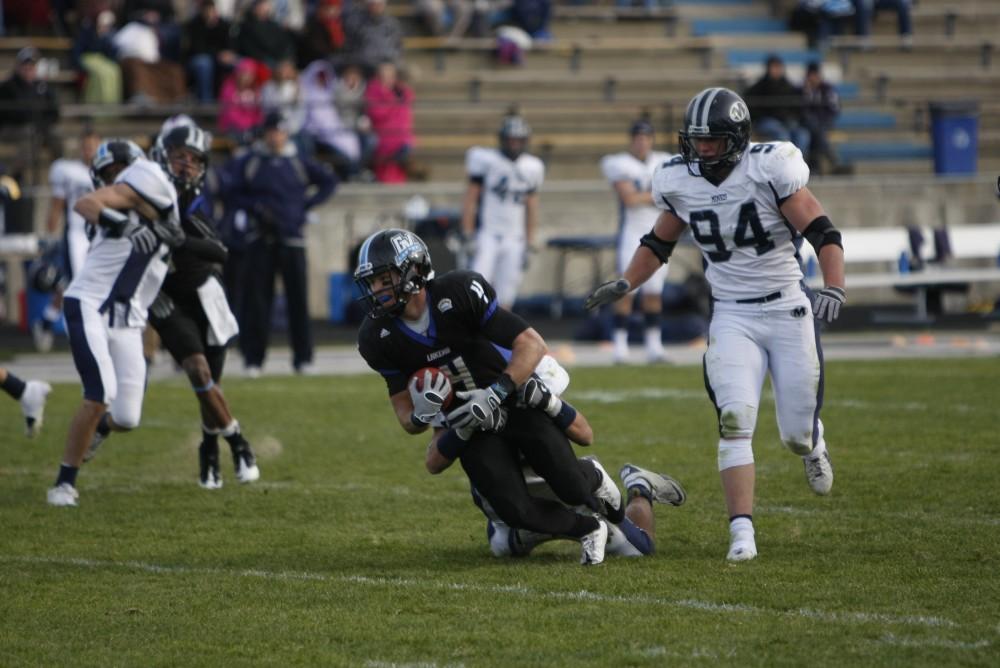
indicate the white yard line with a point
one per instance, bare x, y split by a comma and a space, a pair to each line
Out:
829, 616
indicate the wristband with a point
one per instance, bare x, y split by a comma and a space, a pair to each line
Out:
417, 422
564, 418
504, 386
451, 445
554, 406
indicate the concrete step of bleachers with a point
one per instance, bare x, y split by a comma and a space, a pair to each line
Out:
720, 10
944, 19
854, 53
930, 83
741, 25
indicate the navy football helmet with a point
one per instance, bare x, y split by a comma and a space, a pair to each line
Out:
189, 137
112, 152
715, 113
514, 135
401, 254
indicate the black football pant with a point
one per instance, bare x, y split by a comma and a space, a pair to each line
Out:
264, 260
494, 464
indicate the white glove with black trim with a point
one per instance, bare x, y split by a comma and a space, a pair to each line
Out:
607, 293
428, 400
143, 238
481, 410
826, 305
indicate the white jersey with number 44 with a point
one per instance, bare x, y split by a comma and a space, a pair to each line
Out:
505, 183
746, 242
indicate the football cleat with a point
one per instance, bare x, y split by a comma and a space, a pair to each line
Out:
662, 487
33, 405
819, 472
608, 493
592, 545
63, 494
209, 476
245, 464
95, 444
742, 546
252, 371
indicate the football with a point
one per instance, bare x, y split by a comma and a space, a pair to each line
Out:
436, 373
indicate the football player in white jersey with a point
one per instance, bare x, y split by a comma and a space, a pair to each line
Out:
69, 181
503, 189
135, 217
631, 176
748, 208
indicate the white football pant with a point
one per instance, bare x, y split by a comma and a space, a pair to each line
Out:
500, 259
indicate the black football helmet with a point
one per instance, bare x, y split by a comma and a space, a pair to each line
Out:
405, 257
715, 113
48, 271
192, 138
514, 135
112, 152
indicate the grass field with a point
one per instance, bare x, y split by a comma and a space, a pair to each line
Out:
348, 553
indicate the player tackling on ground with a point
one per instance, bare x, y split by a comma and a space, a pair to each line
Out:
747, 207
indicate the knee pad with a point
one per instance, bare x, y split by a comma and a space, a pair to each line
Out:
734, 452
737, 420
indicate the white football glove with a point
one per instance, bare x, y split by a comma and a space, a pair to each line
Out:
606, 293
143, 238
481, 410
826, 305
427, 401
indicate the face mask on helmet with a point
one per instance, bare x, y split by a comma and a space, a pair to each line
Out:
715, 114
112, 157
514, 136
392, 266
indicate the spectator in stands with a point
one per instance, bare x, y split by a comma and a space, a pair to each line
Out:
291, 14
261, 37
820, 19
208, 50
277, 187
864, 12
147, 76
349, 99
239, 101
372, 36
820, 111
323, 34
776, 106
454, 17
282, 94
390, 108
324, 131
95, 58
25, 98
532, 16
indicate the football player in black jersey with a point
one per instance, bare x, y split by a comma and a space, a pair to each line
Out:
191, 313
454, 323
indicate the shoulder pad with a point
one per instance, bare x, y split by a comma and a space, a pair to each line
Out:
612, 166
779, 164
147, 179
478, 160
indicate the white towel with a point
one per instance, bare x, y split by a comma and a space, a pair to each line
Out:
222, 325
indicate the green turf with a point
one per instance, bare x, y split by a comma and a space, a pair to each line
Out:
348, 553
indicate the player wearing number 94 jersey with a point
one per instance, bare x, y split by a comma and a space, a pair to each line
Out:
736, 197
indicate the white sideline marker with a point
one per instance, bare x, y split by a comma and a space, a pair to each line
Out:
517, 590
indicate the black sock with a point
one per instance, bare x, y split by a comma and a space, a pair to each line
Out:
209, 439
651, 320
13, 385
619, 321
236, 441
735, 517
67, 474
104, 427
640, 490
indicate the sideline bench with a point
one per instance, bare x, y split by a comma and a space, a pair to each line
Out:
887, 247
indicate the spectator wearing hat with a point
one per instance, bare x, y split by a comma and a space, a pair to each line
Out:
372, 35
24, 97
277, 187
208, 49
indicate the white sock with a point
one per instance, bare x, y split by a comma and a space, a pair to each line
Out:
654, 342
620, 339
50, 314
742, 546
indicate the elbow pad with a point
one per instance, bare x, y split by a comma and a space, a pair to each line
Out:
821, 232
661, 249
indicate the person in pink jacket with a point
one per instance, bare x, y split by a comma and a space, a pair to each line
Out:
239, 101
390, 107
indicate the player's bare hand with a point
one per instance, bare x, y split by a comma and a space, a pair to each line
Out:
826, 305
607, 293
